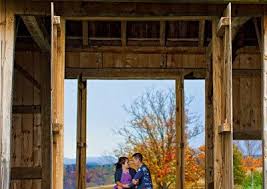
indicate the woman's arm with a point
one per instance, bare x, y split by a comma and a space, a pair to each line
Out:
119, 184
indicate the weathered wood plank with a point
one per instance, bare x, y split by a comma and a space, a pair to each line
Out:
7, 36
228, 181
222, 88
26, 109
81, 134
58, 66
29, 173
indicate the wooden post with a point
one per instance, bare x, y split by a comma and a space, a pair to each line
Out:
58, 75
217, 90
209, 170
81, 135
7, 36
222, 101
46, 124
264, 97
179, 89
228, 181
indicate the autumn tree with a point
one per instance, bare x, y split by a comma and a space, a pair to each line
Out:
151, 131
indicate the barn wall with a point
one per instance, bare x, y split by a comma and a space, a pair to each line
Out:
247, 97
26, 127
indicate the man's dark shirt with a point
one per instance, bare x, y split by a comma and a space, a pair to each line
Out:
144, 177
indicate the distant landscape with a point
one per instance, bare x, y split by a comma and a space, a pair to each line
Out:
99, 171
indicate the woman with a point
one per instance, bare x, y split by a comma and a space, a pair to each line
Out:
123, 174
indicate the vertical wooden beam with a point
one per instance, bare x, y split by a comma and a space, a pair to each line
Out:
217, 91
46, 128
7, 36
85, 33
264, 97
201, 33
222, 104
228, 181
81, 135
124, 33
179, 89
209, 169
58, 75
162, 33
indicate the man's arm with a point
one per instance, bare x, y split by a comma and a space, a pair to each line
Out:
138, 175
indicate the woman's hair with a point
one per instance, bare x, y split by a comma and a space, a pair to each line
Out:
120, 162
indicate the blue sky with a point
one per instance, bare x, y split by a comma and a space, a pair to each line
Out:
105, 112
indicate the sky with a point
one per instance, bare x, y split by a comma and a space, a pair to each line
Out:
105, 112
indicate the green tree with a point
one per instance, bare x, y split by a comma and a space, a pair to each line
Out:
254, 181
239, 172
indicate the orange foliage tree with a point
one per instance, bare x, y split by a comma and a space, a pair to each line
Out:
151, 131
251, 163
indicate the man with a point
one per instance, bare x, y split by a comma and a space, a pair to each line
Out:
142, 177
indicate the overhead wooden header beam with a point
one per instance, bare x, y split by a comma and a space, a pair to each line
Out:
169, 1
133, 9
153, 50
140, 18
74, 73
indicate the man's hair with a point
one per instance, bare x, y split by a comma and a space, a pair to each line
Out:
138, 156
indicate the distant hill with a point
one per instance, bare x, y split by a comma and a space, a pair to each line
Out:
93, 161
99, 172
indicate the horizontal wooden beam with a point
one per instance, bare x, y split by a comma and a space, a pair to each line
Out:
23, 173
247, 135
141, 9
152, 50
26, 109
28, 76
141, 18
148, 73
167, 1
129, 73
224, 22
246, 72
